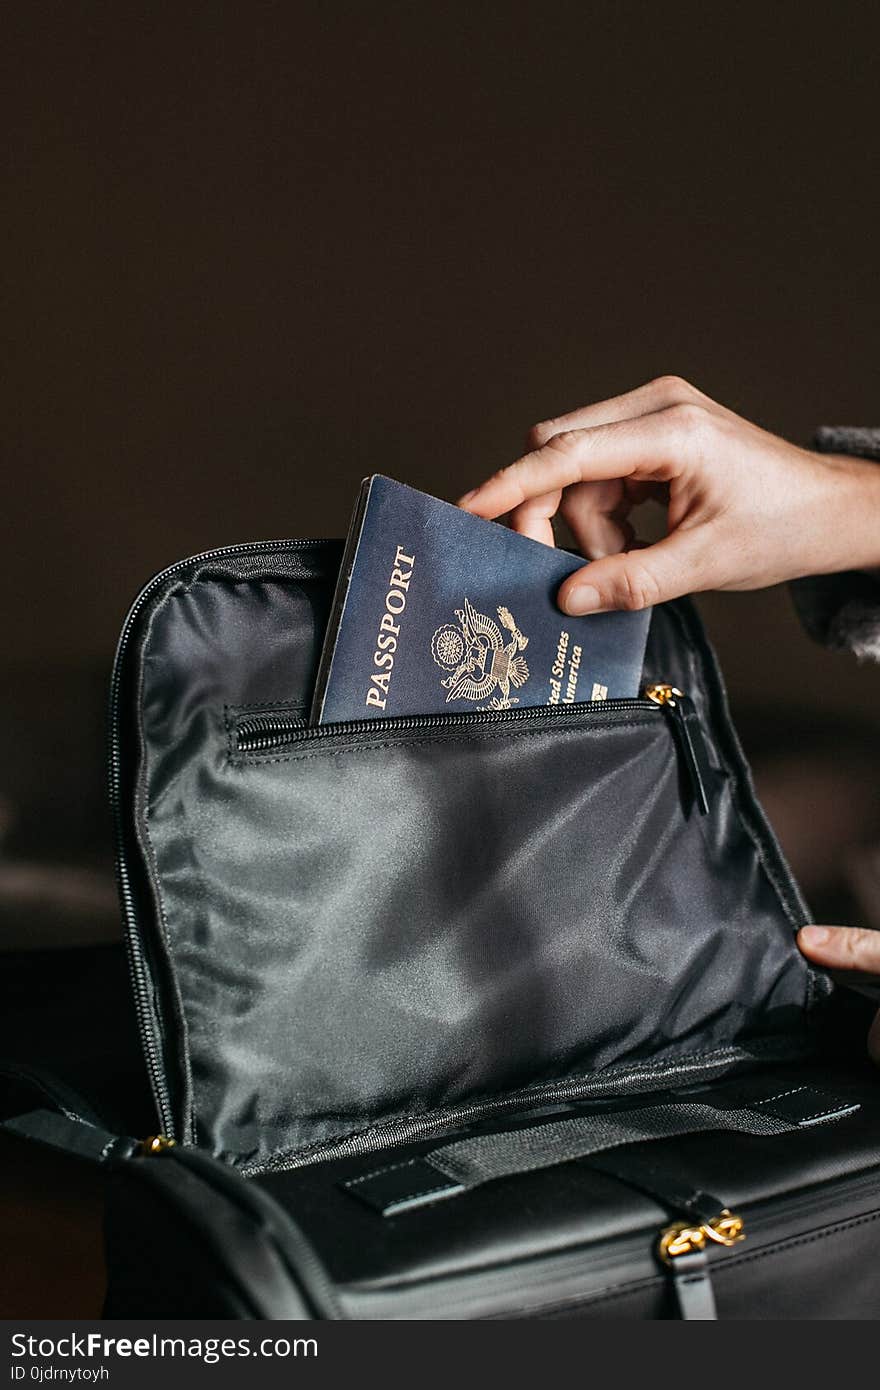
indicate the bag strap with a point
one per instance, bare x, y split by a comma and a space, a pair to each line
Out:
38, 1107
70, 1136
211, 1195
469, 1163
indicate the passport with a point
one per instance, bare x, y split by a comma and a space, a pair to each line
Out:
437, 610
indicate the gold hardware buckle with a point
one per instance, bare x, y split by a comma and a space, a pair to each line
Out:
683, 1238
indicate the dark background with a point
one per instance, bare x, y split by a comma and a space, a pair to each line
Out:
256, 253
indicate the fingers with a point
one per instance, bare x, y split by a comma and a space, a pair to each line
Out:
842, 948
597, 515
533, 518
595, 512
846, 948
653, 448
638, 578
655, 395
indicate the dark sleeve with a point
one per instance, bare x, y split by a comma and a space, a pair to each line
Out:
842, 611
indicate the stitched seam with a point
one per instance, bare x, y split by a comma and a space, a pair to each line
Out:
823, 1114
397, 1202
451, 1182
780, 1095
781, 889
285, 705
749, 812
728, 1264
37, 1084
732, 1260
834, 1109
537, 1089
607, 1296
380, 1172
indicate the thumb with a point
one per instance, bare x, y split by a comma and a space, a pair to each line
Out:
846, 948
636, 578
842, 948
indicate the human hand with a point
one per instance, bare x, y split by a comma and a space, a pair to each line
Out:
846, 948
745, 509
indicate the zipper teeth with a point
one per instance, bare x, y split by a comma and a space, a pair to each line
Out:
264, 732
137, 965
260, 734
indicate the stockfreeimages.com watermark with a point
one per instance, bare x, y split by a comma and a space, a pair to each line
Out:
29, 1351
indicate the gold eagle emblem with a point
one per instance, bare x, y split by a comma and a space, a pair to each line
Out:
478, 658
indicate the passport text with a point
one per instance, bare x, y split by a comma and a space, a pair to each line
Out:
389, 629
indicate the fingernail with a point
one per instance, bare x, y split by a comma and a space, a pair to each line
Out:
814, 936
582, 599
467, 496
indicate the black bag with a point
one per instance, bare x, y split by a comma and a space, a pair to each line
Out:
499, 1014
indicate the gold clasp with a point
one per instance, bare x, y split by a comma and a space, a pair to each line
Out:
680, 1239
683, 1238
663, 693
726, 1229
157, 1144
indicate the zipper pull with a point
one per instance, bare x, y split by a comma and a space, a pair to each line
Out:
686, 723
156, 1144
682, 1248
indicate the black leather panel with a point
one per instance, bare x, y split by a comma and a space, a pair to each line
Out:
572, 1207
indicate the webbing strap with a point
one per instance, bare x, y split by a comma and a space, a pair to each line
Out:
469, 1163
69, 1135
37, 1106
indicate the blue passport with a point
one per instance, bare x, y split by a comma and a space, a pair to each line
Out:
439, 611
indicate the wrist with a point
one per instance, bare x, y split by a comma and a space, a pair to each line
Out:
841, 530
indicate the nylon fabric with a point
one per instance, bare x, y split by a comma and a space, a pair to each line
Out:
362, 933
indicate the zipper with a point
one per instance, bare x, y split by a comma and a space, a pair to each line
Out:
689, 734
267, 733
264, 733
138, 967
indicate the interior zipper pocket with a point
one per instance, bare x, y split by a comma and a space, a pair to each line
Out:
258, 733
266, 733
